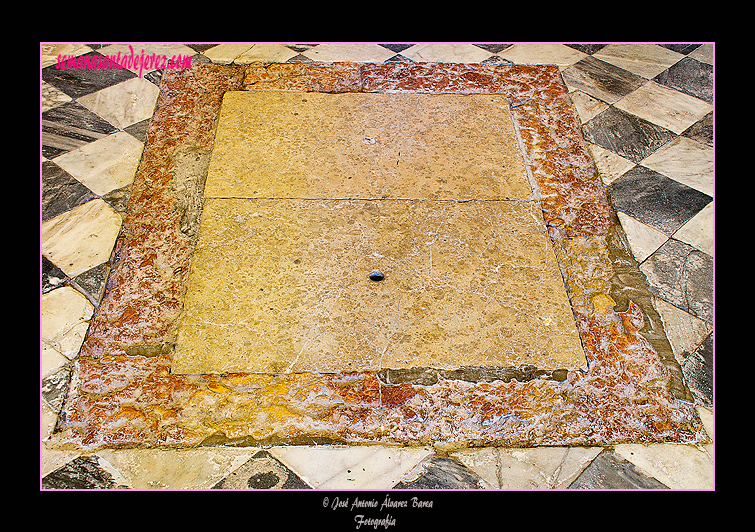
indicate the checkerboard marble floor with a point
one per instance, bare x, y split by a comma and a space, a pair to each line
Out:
647, 114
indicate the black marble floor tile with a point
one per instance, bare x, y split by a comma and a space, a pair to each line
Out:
262, 471
443, 473
656, 200
393, 47
52, 276
610, 471
682, 48
69, 126
626, 134
683, 276
93, 281
78, 82
702, 130
698, 372
601, 80
587, 48
689, 76
61, 192
83, 472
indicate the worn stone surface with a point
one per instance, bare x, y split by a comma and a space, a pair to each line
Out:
117, 400
283, 285
360, 145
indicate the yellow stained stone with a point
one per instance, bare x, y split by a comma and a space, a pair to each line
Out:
283, 285
365, 145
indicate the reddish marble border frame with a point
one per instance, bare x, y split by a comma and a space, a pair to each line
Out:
122, 393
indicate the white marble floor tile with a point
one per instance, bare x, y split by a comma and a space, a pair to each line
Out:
533, 468
675, 465
51, 359
270, 52
446, 53
357, 467
704, 54
587, 107
664, 106
174, 469
684, 331
610, 165
542, 54
685, 160
357, 52
50, 52
698, 232
65, 319
646, 60
643, 239
52, 96
123, 104
81, 238
106, 164
225, 54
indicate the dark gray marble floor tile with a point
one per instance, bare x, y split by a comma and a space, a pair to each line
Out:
689, 76
610, 471
492, 48
698, 372
262, 471
702, 130
398, 58
69, 126
444, 473
61, 192
83, 472
300, 58
78, 82
201, 48
601, 80
683, 276
393, 47
587, 48
656, 200
138, 130
626, 134
682, 48
55, 387
93, 280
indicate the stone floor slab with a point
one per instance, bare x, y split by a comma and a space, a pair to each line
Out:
284, 285
365, 145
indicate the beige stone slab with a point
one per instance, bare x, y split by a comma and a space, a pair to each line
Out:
283, 285
364, 145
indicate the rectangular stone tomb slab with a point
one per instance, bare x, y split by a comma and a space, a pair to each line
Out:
366, 145
284, 286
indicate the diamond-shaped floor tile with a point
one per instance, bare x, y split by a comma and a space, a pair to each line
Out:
364, 467
262, 471
542, 54
83, 472
123, 104
686, 161
646, 60
611, 471
69, 126
65, 316
604, 81
664, 106
437, 472
357, 52
76, 82
446, 53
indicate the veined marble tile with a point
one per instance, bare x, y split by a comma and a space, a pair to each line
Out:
61, 191
124, 104
106, 164
601, 80
358, 52
225, 54
684, 331
65, 319
677, 466
269, 52
533, 468
686, 161
52, 359
357, 467
610, 165
446, 53
646, 60
50, 52
542, 54
166, 49
70, 125
587, 106
689, 76
664, 106
77, 82
81, 238
643, 239
175, 469
52, 96
698, 232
